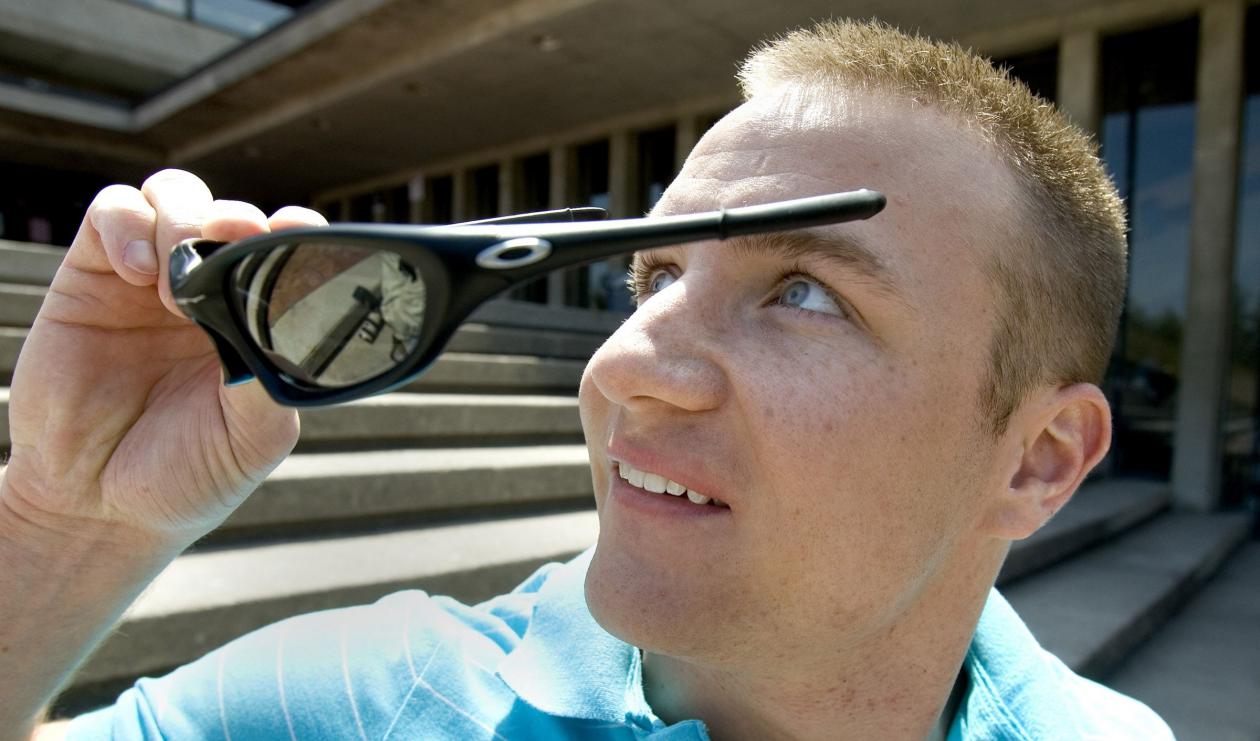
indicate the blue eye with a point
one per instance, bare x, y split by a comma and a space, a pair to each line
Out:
807, 295
660, 282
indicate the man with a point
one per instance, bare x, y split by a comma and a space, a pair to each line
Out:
861, 417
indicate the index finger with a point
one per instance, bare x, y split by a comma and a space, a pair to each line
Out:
181, 200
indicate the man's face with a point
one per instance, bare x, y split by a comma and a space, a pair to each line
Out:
827, 396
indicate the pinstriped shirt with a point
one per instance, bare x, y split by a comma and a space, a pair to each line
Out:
533, 664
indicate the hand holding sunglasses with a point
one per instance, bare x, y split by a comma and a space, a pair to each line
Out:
327, 315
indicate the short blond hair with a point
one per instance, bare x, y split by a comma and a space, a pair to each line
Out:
1061, 289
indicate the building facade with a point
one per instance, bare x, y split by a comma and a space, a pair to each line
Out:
411, 110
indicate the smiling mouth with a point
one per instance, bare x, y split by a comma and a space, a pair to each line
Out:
657, 484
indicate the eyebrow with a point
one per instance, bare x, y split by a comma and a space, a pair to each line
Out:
848, 253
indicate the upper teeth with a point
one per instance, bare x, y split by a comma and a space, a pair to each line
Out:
657, 483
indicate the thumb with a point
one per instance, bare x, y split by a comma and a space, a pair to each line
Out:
261, 432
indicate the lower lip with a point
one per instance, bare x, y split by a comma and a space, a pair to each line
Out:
659, 505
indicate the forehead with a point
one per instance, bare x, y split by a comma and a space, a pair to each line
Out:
950, 200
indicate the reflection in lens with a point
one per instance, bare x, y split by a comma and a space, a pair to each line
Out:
330, 315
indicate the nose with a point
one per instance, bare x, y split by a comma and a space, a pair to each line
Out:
665, 356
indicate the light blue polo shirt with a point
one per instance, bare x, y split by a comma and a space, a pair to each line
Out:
532, 664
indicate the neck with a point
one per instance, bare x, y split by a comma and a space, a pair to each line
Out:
892, 686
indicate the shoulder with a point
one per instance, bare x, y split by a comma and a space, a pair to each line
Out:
1103, 713
1018, 690
334, 673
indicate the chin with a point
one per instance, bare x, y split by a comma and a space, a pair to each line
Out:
652, 609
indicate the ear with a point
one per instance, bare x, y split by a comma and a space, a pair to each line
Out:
1059, 436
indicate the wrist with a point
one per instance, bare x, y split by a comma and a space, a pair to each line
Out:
64, 581
59, 538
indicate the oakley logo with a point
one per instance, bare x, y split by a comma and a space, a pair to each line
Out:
514, 253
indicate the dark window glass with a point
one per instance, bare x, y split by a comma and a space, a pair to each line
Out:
483, 192
1038, 70
592, 174
533, 194
1148, 144
1242, 417
332, 210
362, 207
439, 200
397, 205
381, 206
590, 189
534, 182
656, 165
38, 204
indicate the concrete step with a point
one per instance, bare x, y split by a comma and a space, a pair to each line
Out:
468, 372
31, 264
19, 304
453, 371
309, 492
1201, 672
473, 337
204, 599
319, 491
529, 315
11, 339
1093, 610
1102, 508
409, 419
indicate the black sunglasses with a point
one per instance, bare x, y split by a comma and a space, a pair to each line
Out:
325, 315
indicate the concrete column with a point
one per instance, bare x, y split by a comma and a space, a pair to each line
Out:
459, 195
686, 134
1080, 78
560, 184
507, 186
621, 172
1196, 474
623, 190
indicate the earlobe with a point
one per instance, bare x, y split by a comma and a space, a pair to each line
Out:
1065, 433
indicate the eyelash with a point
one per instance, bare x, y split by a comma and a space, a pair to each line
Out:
641, 271
645, 267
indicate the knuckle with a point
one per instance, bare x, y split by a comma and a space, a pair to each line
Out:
173, 179
111, 196
183, 226
236, 208
120, 207
299, 214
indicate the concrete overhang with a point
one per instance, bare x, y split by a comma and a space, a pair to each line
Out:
355, 89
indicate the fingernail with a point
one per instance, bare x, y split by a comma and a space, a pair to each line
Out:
140, 257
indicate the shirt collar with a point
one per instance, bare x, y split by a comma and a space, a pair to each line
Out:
1015, 686
1008, 672
602, 684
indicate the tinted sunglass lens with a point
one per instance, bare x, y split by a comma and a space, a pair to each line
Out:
330, 315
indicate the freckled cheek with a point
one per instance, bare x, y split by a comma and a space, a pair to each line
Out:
812, 399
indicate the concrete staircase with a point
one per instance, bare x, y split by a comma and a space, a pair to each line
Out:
476, 473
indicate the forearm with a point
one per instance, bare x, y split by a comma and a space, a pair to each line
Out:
62, 586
